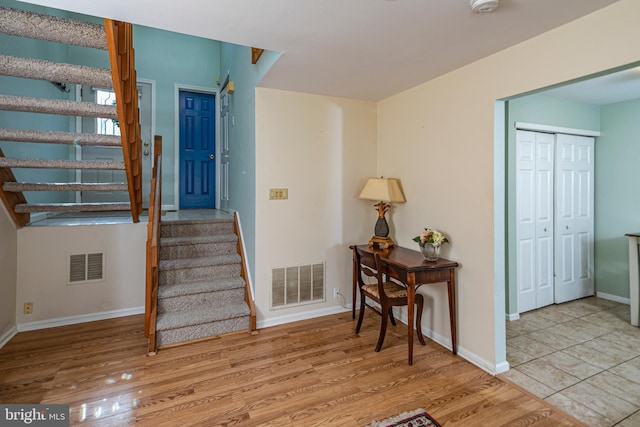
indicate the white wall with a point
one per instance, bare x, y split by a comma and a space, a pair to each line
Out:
8, 274
322, 149
439, 139
42, 273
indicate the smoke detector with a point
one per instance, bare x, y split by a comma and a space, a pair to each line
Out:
480, 6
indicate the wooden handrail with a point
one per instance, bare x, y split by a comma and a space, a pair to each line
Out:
153, 247
248, 295
11, 199
123, 72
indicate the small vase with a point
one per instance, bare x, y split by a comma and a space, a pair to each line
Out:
430, 251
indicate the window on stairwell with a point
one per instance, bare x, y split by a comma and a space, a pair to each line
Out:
106, 126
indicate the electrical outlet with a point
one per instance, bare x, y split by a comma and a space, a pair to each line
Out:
278, 193
28, 308
336, 292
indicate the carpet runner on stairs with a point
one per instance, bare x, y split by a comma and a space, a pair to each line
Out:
201, 292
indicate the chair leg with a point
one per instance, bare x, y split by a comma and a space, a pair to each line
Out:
383, 330
420, 304
393, 319
361, 314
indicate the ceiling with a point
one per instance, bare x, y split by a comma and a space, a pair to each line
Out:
364, 49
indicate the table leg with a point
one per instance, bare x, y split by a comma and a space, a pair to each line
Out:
451, 290
354, 286
411, 296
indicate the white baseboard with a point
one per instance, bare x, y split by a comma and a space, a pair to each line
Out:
469, 356
7, 335
513, 316
83, 318
503, 367
289, 318
614, 298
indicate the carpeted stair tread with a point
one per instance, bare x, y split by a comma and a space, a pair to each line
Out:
180, 289
72, 207
57, 106
172, 320
69, 186
8, 162
198, 221
44, 27
38, 69
196, 240
57, 137
186, 263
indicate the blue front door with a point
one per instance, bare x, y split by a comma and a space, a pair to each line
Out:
197, 150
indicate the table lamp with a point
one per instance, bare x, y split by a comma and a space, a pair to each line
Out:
385, 191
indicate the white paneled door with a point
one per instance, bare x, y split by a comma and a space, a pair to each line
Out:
574, 217
534, 213
554, 218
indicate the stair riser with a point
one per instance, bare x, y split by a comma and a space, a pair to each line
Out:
195, 332
168, 277
198, 301
204, 229
198, 250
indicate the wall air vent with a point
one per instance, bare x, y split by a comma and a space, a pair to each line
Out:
85, 268
297, 285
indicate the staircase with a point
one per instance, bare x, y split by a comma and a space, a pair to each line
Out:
201, 290
115, 39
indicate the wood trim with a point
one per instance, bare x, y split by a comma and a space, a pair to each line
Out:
153, 247
256, 53
121, 58
248, 296
11, 199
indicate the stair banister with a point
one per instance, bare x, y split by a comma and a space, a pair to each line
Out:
153, 246
121, 57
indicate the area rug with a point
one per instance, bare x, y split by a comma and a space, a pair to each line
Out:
416, 418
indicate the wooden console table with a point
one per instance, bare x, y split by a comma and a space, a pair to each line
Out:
415, 271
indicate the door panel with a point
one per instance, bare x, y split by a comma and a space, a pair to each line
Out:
574, 218
197, 149
534, 213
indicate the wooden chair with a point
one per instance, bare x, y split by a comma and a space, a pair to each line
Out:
386, 293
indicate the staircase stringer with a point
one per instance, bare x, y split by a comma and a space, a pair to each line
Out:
121, 57
248, 293
11, 199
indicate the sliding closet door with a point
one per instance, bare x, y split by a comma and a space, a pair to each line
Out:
534, 216
574, 217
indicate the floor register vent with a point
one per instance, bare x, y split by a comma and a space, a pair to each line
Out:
85, 268
297, 285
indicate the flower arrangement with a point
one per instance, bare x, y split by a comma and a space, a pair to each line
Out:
432, 236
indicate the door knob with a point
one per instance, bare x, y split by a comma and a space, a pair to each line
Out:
146, 152
211, 156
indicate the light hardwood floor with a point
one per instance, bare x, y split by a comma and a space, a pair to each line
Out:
309, 373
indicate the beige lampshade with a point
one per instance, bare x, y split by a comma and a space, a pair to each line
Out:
383, 189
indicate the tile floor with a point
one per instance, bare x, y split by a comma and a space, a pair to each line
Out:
583, 357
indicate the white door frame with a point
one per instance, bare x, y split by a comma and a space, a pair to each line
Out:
176, 138
146, 183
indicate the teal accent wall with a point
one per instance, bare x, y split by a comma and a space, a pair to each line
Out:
236, 60
546, 110
617, 209
169, 59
